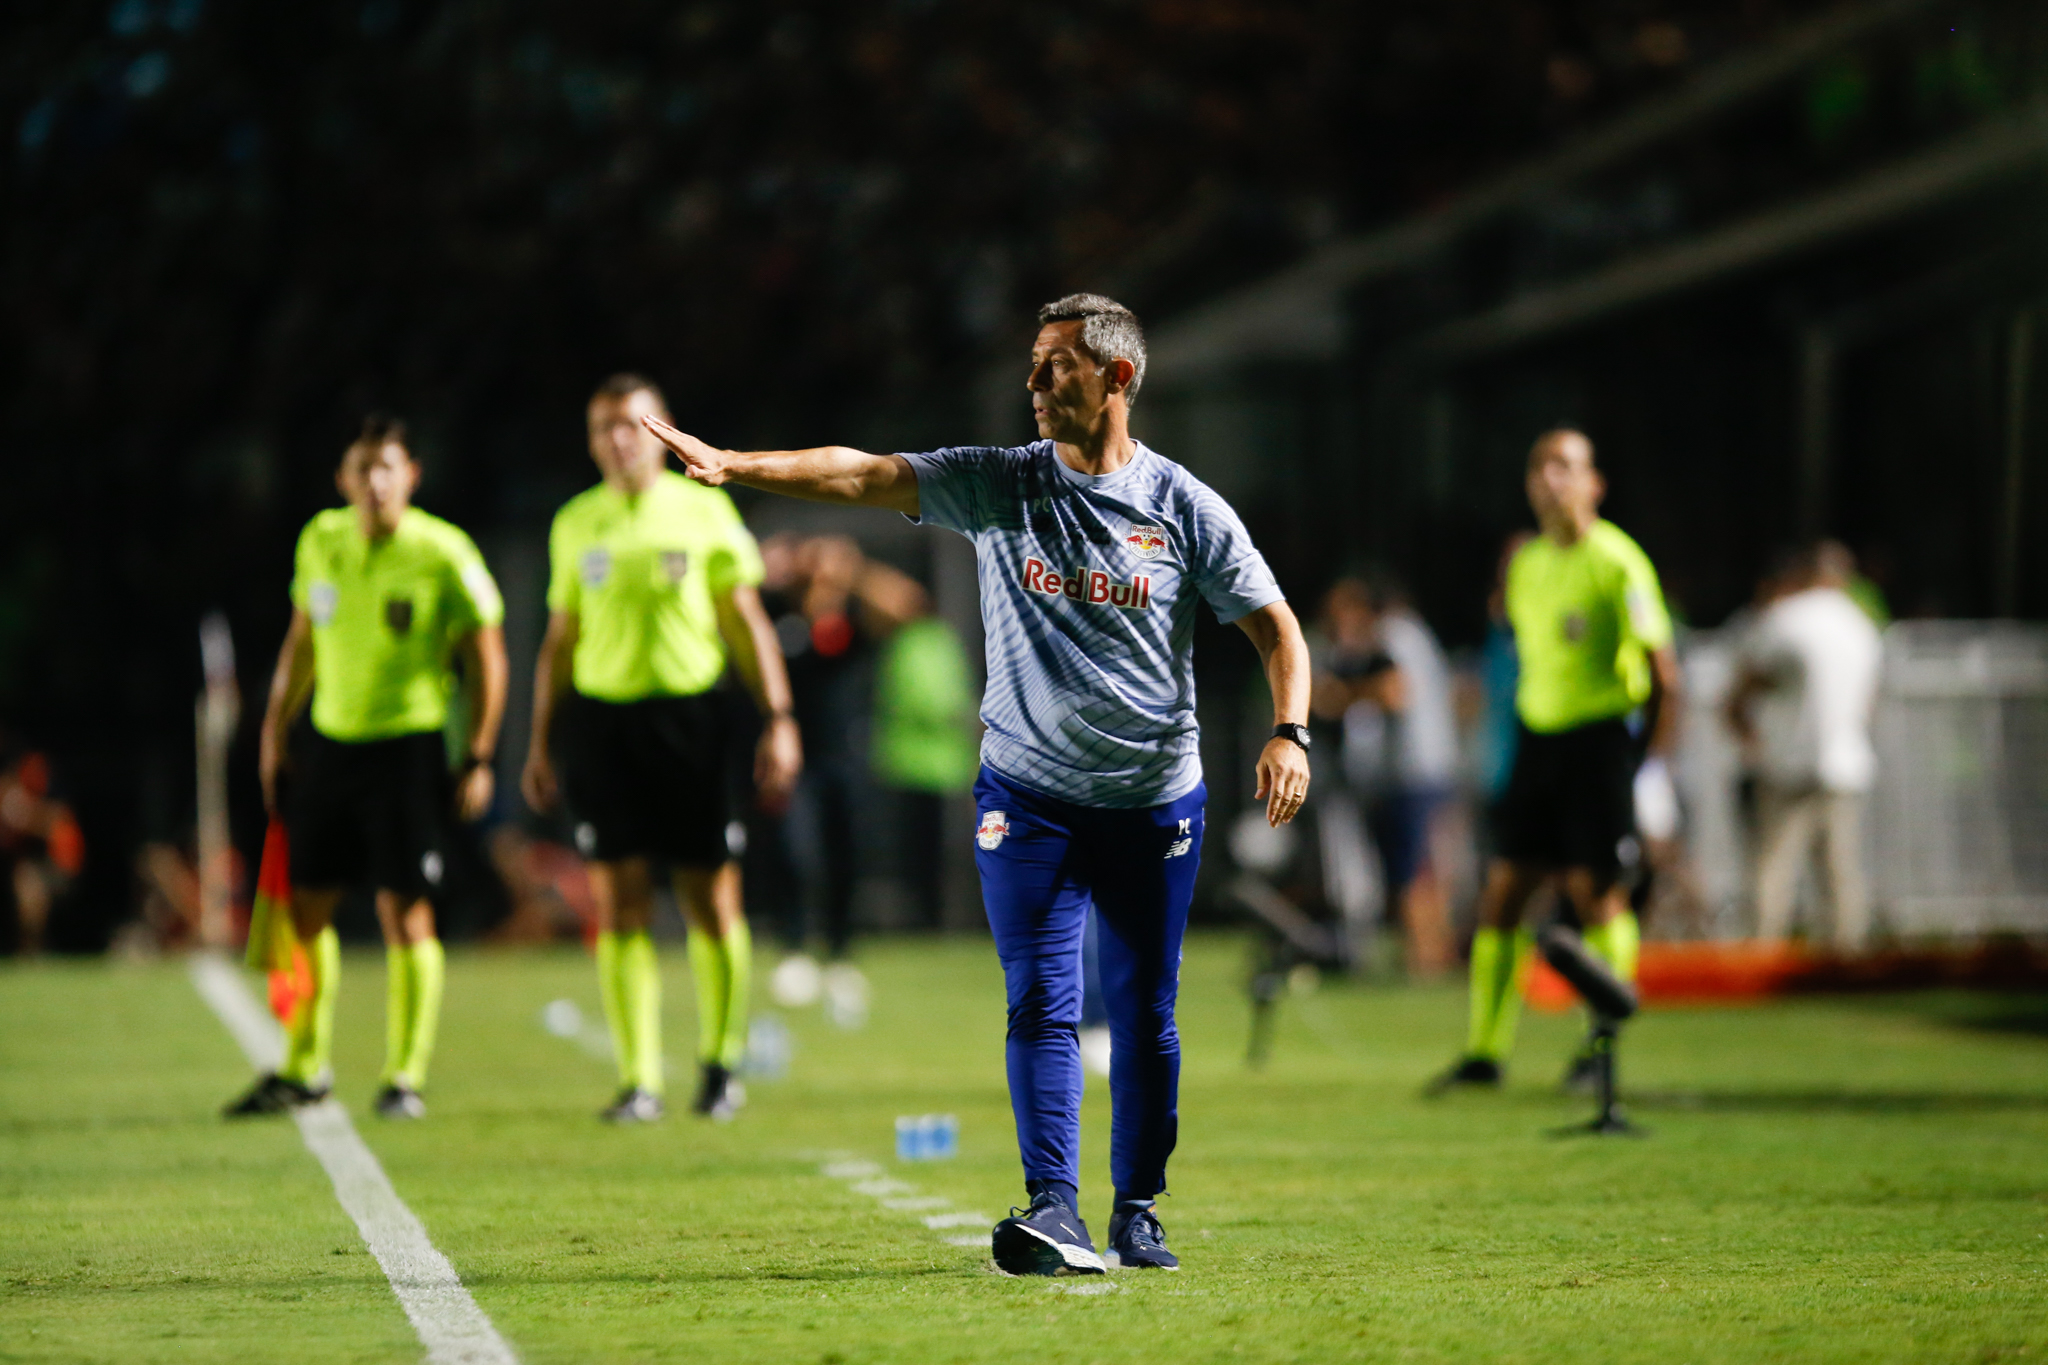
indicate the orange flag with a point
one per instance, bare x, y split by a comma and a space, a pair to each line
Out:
274, 946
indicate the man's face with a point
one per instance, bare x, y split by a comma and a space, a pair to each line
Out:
1562, 480
626, 452
378, 481
1069, 387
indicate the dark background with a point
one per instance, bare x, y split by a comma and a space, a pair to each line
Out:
232, 226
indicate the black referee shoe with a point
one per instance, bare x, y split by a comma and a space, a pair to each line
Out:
718, 1096
635, 1105
273, 1094
400, 1101
1470, 1073
1046, 1239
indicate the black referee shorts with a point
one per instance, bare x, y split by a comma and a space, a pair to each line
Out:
369, 813
1570, 798
646, 779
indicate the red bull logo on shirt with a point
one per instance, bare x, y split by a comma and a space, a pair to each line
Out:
1088, 585
1146, 542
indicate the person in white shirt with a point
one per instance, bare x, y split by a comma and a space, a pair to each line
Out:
1802, 703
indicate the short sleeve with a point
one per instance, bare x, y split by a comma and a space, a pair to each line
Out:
565, 589
477, 602
302, 571
1228, 569
952, 487
1643, 609
735, 556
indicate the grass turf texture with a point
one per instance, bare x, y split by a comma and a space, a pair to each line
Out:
1827, 1181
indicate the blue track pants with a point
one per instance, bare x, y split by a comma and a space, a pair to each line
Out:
1042, 862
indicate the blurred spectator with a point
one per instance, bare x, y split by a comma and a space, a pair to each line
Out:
924, 748
1495, 727
41, 845
1802, 704
1388, 680
169, 916
832, 606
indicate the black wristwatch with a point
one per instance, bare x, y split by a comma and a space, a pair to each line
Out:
1297, 733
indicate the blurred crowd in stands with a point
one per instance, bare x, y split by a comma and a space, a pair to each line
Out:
232, 227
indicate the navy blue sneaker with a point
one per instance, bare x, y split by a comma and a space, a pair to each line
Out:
1046, 1239
1138, 1241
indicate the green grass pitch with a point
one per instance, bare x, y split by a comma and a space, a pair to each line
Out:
1827, 1181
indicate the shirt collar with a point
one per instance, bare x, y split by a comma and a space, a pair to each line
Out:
1075, 478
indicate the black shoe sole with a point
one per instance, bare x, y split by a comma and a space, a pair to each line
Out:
1022, 1250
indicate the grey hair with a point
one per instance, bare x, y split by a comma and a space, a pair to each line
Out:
1109, 330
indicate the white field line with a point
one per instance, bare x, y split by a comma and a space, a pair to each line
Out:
956, 1220
594, 1038
450, 1325
900, 1196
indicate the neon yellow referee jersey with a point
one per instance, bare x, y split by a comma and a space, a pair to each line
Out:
641, 575
1586, 618
387, 615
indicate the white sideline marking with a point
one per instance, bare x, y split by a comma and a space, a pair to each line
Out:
900, 1196
450, 1325
957, 1220
850, 1170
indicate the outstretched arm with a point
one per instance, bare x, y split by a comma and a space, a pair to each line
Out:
1283, 764
826, 474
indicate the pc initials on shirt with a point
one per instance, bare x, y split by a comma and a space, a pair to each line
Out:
1088, 585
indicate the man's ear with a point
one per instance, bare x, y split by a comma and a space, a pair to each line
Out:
1599, 488
341, 482
1121, 373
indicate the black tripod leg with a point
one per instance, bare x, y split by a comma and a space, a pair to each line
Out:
1612, 1120
1262, 1029
1268, 980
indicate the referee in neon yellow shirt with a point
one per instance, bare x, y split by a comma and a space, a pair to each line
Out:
1594, 641
653, 584
385, 599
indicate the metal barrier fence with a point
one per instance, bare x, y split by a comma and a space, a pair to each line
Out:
1959, 818
1957, 825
